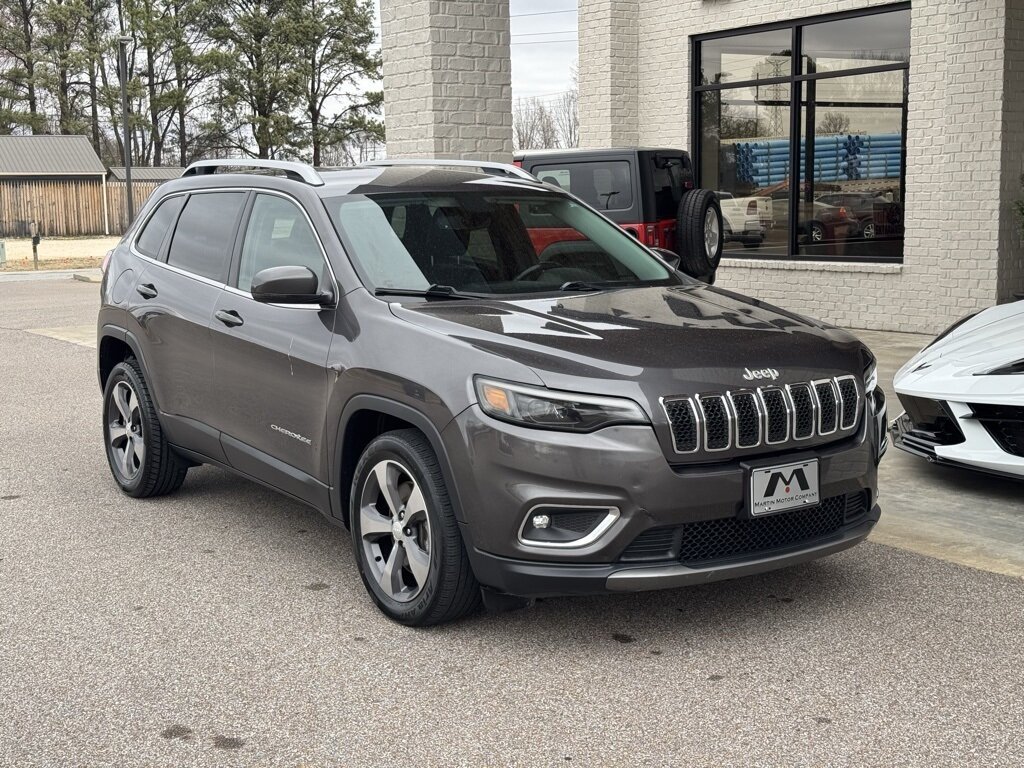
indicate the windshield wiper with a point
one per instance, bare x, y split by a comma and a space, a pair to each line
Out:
432, 292
580, 285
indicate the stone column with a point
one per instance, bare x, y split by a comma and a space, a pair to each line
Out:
447, 78
609, 72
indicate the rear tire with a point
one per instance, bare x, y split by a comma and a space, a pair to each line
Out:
406, 539
700, 232
140, 459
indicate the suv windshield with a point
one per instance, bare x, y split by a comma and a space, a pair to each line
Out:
489, 242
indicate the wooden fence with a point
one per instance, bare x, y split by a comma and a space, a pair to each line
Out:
69, 207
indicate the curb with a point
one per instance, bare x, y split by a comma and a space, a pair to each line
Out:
87, 278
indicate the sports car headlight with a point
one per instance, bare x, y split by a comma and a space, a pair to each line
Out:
871, 378
1009, 369
548, 409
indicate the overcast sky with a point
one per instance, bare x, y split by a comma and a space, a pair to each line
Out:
543, 46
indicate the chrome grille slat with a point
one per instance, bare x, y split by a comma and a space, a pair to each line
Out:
718, 422
745, 408
746, 419
826, 400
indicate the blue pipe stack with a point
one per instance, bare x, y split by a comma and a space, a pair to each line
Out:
765, 162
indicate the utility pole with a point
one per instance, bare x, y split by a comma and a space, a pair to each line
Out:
123, 42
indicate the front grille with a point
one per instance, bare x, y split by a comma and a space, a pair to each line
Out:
729, 537
749, 418
1004, 423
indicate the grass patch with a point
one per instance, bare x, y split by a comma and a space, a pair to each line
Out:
49, 264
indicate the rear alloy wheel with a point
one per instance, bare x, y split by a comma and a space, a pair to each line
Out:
141, 461
407, 542
869, 231
817, 232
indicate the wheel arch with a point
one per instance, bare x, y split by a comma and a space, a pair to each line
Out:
115, 345
366, 417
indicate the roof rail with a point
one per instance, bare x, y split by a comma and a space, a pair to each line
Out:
293, 170
488, 167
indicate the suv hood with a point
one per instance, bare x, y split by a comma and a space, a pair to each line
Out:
675, 340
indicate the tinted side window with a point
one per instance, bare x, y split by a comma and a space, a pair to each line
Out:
159, 223
202, 239
603, 185
277, 235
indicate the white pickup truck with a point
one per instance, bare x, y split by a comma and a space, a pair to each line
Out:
746, 219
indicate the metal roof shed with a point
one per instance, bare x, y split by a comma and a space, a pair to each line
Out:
49, 156
56, 181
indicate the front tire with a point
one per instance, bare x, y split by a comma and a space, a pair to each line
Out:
140, 459
406, 539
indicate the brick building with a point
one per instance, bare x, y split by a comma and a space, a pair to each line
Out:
888, 136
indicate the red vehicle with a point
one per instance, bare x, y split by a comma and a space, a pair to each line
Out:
650, 193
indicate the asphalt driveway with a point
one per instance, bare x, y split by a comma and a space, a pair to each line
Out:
226, 625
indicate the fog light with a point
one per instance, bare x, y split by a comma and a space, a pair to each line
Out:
556, 525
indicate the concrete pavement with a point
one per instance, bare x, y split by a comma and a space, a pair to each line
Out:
226, 625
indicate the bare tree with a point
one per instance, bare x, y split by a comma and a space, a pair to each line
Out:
566, 113
533, 125
833, 123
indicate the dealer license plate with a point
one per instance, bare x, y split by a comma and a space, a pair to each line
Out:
787, 486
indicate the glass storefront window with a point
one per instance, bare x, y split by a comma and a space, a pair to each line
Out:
861, 41
745, 158
746, 57
809, 162
851, 167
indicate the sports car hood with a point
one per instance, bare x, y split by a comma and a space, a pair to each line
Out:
676, 339
957, 363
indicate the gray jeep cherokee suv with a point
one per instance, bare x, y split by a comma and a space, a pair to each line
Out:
497, 391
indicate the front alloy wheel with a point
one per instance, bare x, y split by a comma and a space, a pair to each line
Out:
395, 531
405, 536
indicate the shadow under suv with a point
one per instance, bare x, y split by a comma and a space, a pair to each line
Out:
496, 389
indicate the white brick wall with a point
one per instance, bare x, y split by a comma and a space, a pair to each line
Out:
965, 144
447, 78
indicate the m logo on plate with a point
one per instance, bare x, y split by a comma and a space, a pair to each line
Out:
780, 478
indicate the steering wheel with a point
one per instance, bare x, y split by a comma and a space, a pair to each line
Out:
537, 269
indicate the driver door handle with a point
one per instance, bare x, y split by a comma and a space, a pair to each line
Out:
146, 290
229, 317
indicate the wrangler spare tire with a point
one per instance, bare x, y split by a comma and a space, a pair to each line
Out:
699, 233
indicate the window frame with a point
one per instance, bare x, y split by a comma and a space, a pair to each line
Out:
232, 242
231, 284
795, 80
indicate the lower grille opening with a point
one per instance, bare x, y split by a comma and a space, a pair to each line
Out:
933, 423
1005, 424
707, 541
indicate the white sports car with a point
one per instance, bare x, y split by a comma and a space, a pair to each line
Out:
964, 394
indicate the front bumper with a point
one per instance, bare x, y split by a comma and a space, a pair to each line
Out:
974, 448
529, 579
502, 472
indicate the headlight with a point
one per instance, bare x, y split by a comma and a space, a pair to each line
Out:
871, 378
548, 409
1009, 369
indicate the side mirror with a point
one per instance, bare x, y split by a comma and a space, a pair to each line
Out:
671, 257
288, 285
